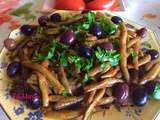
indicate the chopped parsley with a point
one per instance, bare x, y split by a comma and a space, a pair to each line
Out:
133, 54
84, 64
76, 60
103, 55
84, 26
156, 92
87, 78
53, 51
103, 66
63, 59
88, 65
38, 58
91, 16
70, 75
65, 93
116, 43
108, 27
81, 36
40, 29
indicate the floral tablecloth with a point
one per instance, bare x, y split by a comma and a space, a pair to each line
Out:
13, 13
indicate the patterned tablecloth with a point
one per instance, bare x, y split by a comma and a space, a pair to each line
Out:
13, 13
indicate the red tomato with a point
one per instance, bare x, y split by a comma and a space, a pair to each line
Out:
102, 4
70, 4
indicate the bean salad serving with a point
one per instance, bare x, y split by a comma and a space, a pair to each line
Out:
73, 65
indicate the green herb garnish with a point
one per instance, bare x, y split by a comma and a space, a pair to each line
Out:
84, 64
65, 93
38, 58
91, 16
54, 50
108, 27
81, 36
70, 75
63, 59
103, 55
76, 60
103, 66
87, 79
156, 92
116, 43
133, 54
88, 65
40, 30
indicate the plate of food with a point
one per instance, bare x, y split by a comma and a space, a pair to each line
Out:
80, 66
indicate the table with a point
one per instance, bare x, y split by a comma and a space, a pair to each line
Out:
144, 12
147, 14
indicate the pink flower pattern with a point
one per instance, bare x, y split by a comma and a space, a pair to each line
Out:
5, 7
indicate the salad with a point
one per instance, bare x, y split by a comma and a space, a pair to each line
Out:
70, 66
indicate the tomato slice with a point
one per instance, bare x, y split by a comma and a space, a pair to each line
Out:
70, 4
101, 4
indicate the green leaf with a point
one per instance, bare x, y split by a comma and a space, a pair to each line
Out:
156, 93
50, 54
40, 30
70, 75
88, 65
103, 66
76, 60
65, 93
133, 54
63, 28
53, 51
38, 58
103, 55
63, 60
81, 36
81, 26
116, 43
86, 78
92, 78
91, 17
61, 45
84, 64
108, 27
85, 26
